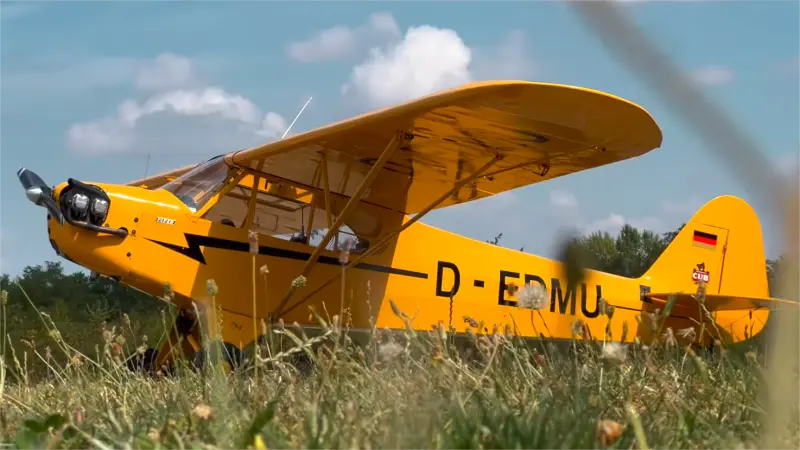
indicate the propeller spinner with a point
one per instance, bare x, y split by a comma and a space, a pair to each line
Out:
39, 193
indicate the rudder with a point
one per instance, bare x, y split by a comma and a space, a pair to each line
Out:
723, 241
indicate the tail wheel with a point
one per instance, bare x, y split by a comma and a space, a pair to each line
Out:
230, 358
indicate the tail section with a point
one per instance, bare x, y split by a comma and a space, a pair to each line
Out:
721, 244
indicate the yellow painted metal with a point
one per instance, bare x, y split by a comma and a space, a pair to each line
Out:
420, 268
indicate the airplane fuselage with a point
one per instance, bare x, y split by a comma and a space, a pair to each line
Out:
431, 275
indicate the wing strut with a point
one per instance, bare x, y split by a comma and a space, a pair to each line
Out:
393, 145
327, 187
478, 173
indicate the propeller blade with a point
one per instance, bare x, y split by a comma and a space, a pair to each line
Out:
30, 179
39, 193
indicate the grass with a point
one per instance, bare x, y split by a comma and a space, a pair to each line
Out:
406, 390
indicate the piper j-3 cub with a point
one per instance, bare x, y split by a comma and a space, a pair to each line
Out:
368, 181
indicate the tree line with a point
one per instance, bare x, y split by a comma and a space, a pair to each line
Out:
632, 251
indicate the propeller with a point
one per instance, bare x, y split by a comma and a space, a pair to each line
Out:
39, 193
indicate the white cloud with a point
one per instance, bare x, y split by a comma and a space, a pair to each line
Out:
685, 207
712, 75
506, 61
563, 199
167, 71
569, 214
611, 224
429, 59
341, 42
177, 117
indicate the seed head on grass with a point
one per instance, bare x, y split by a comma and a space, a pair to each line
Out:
614, 352
299, 282
390, 350
687, 333
533, 296
252, 238
344, 251
608, 431
211, 288
169, 294
669, 338
202, 412
577, 328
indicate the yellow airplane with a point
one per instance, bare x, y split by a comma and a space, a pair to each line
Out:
365, 182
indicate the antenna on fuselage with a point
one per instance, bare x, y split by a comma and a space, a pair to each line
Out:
296, 117
147, 165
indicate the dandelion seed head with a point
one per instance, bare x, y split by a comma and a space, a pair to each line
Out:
390, 350
614, 352
533, 296
211, 288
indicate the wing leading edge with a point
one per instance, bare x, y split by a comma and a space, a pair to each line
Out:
541, 131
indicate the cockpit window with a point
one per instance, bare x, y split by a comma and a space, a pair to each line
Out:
196, 187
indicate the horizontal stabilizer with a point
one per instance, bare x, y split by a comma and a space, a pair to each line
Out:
721, 302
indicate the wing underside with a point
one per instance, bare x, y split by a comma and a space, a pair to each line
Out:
541, 131
538, 131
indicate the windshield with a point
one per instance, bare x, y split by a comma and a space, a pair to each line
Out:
196, 187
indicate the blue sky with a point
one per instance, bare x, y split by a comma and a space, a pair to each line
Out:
88, 89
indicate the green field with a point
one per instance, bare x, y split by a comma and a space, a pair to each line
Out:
408, 390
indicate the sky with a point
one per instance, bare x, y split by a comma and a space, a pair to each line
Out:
91, 90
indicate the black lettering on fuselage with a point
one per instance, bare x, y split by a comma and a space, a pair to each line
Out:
439, 277
558, 297
584, 306
501, 299
568, 299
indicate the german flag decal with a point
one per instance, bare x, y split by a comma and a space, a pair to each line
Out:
705, 240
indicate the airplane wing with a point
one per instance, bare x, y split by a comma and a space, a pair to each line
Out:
721, 302
542, 131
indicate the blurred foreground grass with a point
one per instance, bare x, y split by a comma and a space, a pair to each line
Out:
407, 390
